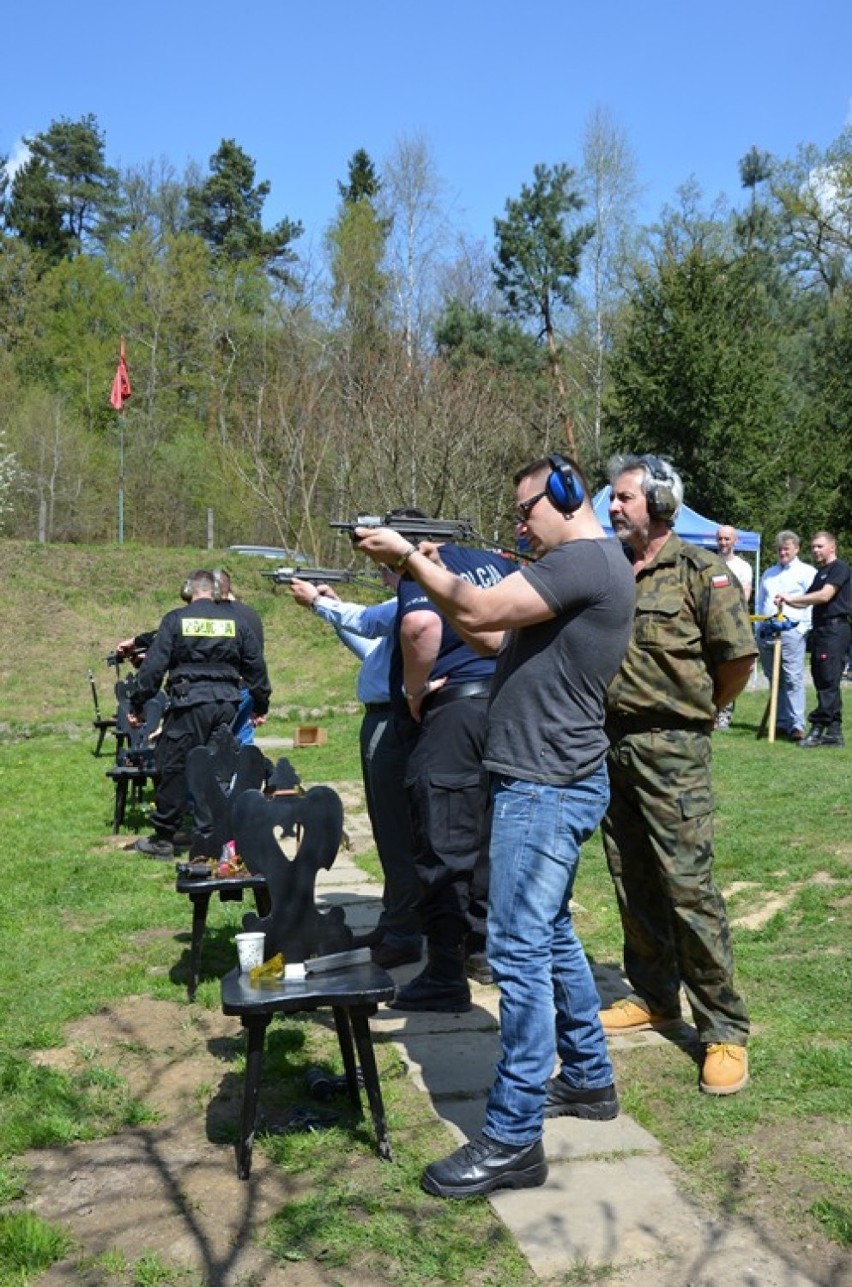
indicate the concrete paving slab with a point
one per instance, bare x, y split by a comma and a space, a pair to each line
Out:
343, 874
456, 1063
403, 1024
566, 1139
362, 895
631, 1215
599, 1213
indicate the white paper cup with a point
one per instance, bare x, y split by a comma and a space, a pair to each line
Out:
250, 950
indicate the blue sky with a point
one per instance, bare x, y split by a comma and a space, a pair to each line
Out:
494, 87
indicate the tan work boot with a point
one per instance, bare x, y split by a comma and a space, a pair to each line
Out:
629, 1016
725, 1069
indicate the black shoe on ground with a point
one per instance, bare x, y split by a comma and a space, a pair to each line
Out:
484, 1165
476, 967
388, 955
814, 738
562, 1100
153, 847
183, 838
429, 991
832, 737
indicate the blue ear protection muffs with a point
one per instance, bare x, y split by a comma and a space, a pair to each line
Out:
563, 488
662, 501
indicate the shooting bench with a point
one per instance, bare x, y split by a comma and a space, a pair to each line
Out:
216, 775
134, 757
300, 931
102, 724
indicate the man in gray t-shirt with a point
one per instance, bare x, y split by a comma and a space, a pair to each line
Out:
544, 722
567, 621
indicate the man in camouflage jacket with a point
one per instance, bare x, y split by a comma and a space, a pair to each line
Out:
691, 653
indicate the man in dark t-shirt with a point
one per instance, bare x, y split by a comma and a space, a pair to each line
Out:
567, 620
830, 594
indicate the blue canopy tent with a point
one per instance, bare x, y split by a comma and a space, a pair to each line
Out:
690, 526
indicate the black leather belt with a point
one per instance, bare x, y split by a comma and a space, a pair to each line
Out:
456, 692
656, 722
378, 708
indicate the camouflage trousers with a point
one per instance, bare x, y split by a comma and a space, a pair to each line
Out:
658, 839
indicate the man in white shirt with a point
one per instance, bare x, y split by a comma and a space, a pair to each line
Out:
789, 576
726, 541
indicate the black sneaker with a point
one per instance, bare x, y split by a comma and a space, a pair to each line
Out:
484, 1165
832, 737
814, 738
153, 847
562, 1100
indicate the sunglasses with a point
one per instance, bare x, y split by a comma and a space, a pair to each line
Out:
525, 508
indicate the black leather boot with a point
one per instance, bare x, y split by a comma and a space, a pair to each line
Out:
441, 986
484, 1165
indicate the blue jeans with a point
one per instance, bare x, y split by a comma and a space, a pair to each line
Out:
548, 1000
241, 728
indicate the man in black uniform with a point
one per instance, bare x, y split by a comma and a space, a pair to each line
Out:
207, 650
830, 594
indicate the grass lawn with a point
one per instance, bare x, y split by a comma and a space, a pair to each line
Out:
85, 926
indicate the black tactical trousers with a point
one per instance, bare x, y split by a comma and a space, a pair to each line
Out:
184, 728
829, 646
384, 759
449, 800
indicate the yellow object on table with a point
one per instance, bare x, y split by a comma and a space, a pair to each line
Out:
271, 969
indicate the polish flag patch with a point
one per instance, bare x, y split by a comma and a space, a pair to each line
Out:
719, 582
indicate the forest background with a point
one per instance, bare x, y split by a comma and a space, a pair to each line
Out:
274, 390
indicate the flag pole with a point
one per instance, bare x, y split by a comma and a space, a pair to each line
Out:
121, 419
119, 394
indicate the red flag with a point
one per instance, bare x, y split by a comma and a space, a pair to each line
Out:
120, 391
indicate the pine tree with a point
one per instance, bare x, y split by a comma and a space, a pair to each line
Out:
538, 259
65, 192
226, 211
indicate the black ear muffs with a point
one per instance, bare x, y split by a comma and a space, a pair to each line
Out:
186, 590
662, 502
563, 488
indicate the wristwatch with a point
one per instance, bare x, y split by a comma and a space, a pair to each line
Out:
413, 697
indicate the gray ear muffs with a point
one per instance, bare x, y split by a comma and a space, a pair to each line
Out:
662, 502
